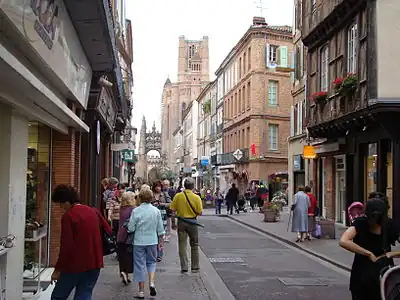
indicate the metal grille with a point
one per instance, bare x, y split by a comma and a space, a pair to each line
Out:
229, 260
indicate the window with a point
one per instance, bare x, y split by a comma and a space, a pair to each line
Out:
352, 49
272, 93
272, 54
240, 68
249, 58
242, 107
244, 63
273, 137
324, 69
248, 95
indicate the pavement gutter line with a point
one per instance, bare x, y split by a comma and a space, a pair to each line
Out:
215, 286
294, 244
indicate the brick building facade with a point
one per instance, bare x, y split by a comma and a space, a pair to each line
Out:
257, 102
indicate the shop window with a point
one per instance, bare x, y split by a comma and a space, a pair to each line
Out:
37, 201
389, 186
371, 169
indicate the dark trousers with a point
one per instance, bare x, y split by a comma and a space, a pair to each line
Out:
218, 205
232, 205
115, 227
83, 283
125, 257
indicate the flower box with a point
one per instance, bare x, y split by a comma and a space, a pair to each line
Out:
270, 215
345, 86
320, 96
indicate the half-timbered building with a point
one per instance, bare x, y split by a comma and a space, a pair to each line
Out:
353, 97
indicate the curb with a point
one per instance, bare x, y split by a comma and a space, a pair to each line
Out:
215, 286
293, 244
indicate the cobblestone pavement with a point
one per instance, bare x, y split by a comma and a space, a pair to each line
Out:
169, 282
254, 266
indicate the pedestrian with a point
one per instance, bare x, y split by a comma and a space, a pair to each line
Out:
108, 194
171, 193
147, 228
162, 201
232, 198
188, 206
369, 238
300, 208
113, 208
218, 201
311, 211
81, 253
124, 240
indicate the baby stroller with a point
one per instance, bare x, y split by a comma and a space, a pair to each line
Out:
390, 283
242, 204
355, 210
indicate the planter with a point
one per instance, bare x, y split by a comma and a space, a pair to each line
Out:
270, 215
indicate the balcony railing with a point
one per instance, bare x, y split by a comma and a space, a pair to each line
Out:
334, 108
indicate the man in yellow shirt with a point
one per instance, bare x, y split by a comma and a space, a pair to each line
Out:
188, 205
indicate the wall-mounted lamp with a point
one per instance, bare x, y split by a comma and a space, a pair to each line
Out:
104, 82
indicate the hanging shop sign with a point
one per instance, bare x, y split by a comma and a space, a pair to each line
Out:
107, 108
128, 155
48, 29
309, 152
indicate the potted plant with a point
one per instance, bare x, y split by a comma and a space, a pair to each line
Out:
279, 198
345, 85
271, 213
349, 84
320, 96
207, 107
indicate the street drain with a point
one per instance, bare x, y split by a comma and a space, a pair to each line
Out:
302, 282
229, 260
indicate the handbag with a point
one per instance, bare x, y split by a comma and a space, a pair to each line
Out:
107, 239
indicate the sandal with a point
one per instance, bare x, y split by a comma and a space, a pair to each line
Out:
7, 241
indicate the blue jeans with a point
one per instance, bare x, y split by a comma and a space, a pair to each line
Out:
144, 261
83, 283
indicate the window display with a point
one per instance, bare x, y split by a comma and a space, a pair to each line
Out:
371, 169
37, 200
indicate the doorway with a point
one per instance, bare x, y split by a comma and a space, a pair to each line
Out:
340, 211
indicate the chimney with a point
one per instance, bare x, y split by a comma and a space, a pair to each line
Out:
259, 21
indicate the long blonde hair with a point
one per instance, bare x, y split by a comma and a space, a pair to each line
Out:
128, 199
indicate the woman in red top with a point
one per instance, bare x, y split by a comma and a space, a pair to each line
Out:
311, 211
81, 252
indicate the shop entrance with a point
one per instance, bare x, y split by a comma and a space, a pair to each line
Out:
340, 162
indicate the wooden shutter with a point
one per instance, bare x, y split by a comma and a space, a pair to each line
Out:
266, 55
283, 50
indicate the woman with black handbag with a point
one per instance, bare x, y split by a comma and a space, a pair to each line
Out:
124, 240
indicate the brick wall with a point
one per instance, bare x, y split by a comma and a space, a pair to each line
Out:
330, 187
64, 172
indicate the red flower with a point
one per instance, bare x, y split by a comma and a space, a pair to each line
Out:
321, 95
338, 81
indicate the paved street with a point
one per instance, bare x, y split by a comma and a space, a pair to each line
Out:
254, 266
169, 282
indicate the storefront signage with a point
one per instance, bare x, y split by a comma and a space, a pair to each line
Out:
46, 26
309, 152
128, 155
328, 147
205, 160
297, 163
107, 108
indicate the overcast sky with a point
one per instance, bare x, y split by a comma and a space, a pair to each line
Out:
157, 25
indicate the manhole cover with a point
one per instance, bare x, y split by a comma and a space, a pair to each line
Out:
302, 282
230, 260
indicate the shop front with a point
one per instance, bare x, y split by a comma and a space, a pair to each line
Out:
45, 78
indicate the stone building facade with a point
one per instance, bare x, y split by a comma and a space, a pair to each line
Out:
298, 168
193, 75
257, 100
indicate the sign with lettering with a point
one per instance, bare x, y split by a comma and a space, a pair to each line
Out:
51, 38
128, 155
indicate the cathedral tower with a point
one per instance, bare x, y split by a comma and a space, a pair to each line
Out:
193, 75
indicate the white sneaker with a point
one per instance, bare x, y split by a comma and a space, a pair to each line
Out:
140, 295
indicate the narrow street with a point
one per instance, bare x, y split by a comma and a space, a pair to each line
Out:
254, 266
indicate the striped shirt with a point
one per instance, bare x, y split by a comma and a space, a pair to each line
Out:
114, 206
